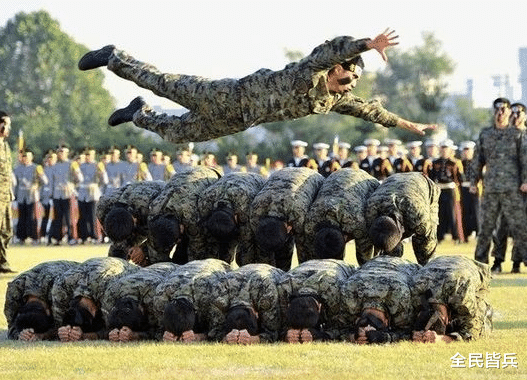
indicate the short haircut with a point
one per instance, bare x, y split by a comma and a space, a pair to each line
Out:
501, 100
127, 312
241, 317
3, 115
221, 224
329, 243
119, 224
271, 234
386, 234
163, 231
519, 105
367, 318
179, 316
78, 315
33, 315
303, 312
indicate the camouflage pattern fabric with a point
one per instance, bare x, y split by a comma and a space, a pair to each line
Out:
226, 106
196, 281
413, 197
462, 284
340, 202
38, 282
236, 191
287, 195
324, 279
6, 196
88, 279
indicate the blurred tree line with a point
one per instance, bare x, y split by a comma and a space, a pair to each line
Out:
53, 102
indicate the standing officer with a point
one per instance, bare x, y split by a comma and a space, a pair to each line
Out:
6, 193
299, 159
469, 201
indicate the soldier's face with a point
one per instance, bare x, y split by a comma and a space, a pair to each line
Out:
502, 114
518, 117
5, 127
298, 151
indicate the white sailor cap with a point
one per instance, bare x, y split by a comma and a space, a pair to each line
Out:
431, 142
447, 143
298, 143
372, 142
414, 144
344, 145
360, 148
320, 145
383, 148
392, 142
467, 145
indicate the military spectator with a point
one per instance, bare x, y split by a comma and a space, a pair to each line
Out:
299, 159
46, 193
451, 298
128, 303
337, 216
252, 166
183, 159
278, 213
184, 302
64, 175
114, 169
76, 297
382, 168
343, 154
6, 193
224, 208
499, 150
88, 193
130, 167
317, 84
232, 165
325, 164
447, 172
314, 308
372, 146
209, 161
156, 167
124, 216
400, 163
378, 298
469, 201
253, 298
170, 170
29, 178
28, 302
420, 164
403, 206
361, 152
432, 149
174, 216
143, 174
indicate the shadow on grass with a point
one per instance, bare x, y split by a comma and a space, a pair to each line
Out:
507, 282
509, 325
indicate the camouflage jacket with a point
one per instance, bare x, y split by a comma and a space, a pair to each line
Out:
235, 191
139, 285
6, 169
500, 151
462, 284
287, 195
38, 282
254, 285
324, 279
179, 198
88, 279
196, 281
415, 199
383, 283
340, 202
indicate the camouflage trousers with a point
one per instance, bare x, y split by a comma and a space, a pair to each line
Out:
214, 105
510, 206
499, 239
6, 230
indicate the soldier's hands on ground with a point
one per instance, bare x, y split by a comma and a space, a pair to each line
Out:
523, 188
232, 337
382, 41
64, 333
292, 336
169, 337
362, 338
125, 334
244, 337
27, 335
136, 255
113, 335
306, 336
188, 337
75, 333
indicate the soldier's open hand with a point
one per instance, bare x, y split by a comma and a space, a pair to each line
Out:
382, 41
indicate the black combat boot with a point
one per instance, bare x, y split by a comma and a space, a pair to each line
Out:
96, 58
126, 114
516, 267
496, 268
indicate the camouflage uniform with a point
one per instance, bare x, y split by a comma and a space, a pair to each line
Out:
139, 285
323, 279
89, 279
226, 106
340, 202
6, 197
383, 283
414, 198
196, 281
287, 195
461, 284
137, 198
180, 199
236, 191
499, 150
36, 282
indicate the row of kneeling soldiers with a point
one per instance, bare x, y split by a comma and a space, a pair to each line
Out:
387, 299
249, 219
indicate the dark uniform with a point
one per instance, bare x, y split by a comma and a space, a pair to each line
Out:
341, 203
414, 198
462, 285
469, 201
287, 195
226, 106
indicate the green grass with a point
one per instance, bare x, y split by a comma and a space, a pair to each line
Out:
103, 360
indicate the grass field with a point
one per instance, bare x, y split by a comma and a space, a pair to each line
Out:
103, 360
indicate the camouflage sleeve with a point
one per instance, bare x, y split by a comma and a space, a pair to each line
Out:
371, 110
337, 50
62, 293
479, 161
14, 298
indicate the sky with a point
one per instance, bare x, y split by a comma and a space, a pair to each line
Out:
234, 38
